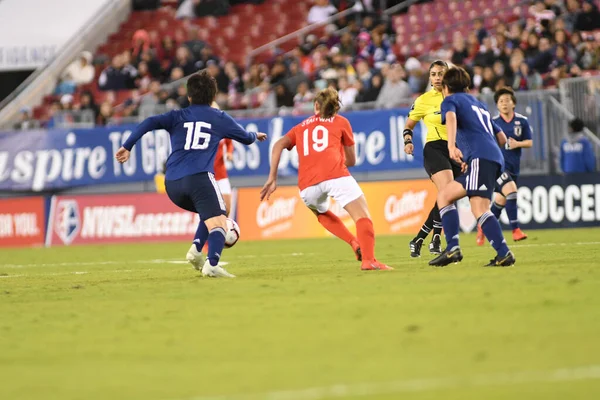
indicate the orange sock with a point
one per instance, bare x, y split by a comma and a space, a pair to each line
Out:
366, 238
333, 224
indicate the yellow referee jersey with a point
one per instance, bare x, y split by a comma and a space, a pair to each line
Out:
427, 108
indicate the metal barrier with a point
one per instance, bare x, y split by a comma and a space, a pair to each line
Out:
558, 129
581, 96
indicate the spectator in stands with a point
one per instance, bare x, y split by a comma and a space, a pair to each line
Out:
379, 51
370, 94
588, 19
488, 80
181, 96
143, 78
304, 97
542, 60
459, 49
106, 113
487, 53
480, 30
347, 93
576, 151
79, 72
66, 102
363, 72
195, 44
116, 76
206, 55
52, 114
295, 76
154, 68
573, 9
140, 42
320, 11
395, 90
176, 74
166, 50
589, 54
283, 97
417, 80
151, 99
525, 79
26, 121
347, 46
87, 102
331, 38
183, 60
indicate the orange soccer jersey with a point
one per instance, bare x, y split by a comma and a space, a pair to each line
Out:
220, 170
320, 143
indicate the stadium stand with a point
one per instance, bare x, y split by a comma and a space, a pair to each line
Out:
371, 58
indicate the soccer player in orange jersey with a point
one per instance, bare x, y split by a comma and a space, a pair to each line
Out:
325, 145
225, 152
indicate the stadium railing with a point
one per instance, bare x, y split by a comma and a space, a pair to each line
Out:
43, 80
581, 96
558, 128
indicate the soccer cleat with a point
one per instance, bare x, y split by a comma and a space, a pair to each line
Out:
195, 257
415, 247
435, 247
518, 235
374, 265
506, 261
447, 257
215, 271
356, 248
480, 236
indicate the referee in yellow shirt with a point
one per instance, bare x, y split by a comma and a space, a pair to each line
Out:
441, 169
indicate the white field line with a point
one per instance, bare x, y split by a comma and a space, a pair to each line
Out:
155, 261
419, 385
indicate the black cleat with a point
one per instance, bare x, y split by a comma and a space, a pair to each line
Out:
506, 261
415, 247
435, 247
447, 257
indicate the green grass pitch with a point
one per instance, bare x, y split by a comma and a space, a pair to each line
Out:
302, 322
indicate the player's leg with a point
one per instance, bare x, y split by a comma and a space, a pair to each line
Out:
225, 188
316, 199
209, 203
349, 195
480, 190
178, 194
510, 193
446, 197
496, 208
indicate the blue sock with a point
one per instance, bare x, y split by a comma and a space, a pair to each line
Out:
497, 210
216, 242
492, 231
200, 236
511, 210
451, 225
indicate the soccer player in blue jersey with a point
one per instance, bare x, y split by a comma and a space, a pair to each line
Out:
518, 131
473, 140
195, 135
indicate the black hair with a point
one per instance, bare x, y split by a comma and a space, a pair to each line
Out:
457, 80
202, 88
439, 63
576, 125
505, 90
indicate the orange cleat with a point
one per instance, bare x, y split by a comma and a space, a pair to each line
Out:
518, 235
480, 236
374, 265
356, 248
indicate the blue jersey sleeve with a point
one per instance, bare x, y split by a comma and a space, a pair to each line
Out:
447, 105
527, 133
235, 131
162, 121
496, 127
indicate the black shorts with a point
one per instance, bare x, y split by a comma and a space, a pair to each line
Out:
505, 178
436, 158
197, 193
480, 178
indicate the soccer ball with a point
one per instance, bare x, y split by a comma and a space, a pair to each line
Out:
233, 233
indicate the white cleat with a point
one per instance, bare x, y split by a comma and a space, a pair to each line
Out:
215, 271
195, 257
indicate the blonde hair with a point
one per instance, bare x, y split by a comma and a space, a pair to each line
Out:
329, 102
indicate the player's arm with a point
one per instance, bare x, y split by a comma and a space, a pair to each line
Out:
348, 144
162, 121
415, 114
228, 149
500, 135
526, 141
239, 134
271, 185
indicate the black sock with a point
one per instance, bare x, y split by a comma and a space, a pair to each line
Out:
428, 225
437, 221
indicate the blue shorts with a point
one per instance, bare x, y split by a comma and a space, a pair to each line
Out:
480, 178
197, 193
505, 177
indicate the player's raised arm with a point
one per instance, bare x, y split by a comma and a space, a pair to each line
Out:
162, 121
286, 142
239, 134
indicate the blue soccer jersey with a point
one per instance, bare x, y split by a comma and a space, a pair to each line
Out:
195, 135
519, 129
476, 131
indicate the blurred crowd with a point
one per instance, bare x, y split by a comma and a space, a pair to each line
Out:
356, 55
